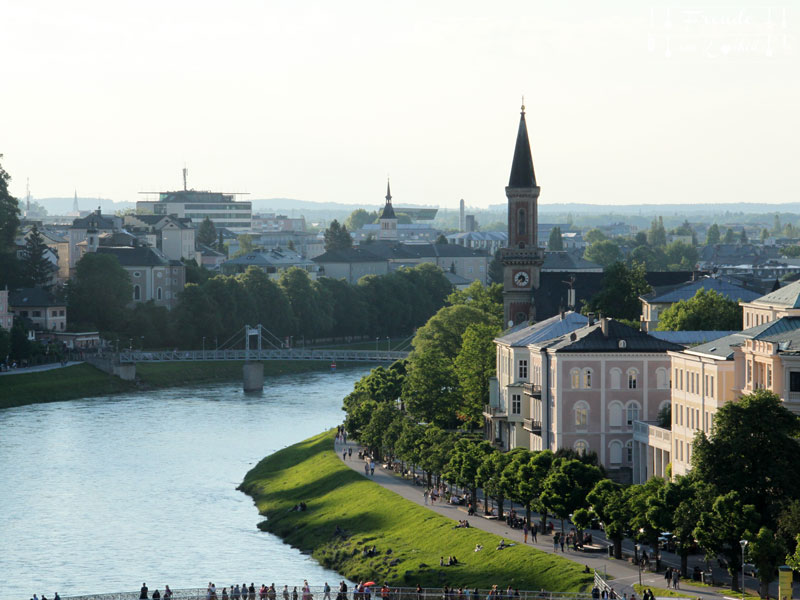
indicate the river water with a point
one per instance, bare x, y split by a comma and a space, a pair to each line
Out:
98, 495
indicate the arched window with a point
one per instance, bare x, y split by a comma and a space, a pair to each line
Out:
587, 378
575, 378
615, 452
633, 379
616, 379
137, 292
521, 224
158, 294
661, 378
615, 414
581, 447
581, 415
629, 452
632, 412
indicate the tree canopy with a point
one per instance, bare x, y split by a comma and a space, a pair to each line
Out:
619, 295
706, 310
337, 237
207, 232
555, 243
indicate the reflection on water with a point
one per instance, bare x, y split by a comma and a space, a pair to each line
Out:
98, 495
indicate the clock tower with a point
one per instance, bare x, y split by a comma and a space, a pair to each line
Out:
522, 258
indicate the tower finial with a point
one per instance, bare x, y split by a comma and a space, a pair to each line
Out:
388, 192
522, 108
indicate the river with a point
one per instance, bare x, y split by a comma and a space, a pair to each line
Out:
98, 495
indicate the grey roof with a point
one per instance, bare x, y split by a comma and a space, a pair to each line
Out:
378, 251
522, 174
685, 291
690, 338
456, 279
275, 257
523, 335
93, 220
32, 297
388, 212
566, 261
784, 329
592, 339
135, 256
480, 236
405, 226
788, 296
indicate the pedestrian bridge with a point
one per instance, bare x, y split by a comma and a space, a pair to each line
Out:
255, 355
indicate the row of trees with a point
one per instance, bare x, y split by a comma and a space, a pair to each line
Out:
745, 482
217, 307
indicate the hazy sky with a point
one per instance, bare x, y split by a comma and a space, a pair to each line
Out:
627, 102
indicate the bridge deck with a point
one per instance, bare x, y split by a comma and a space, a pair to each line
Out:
370, 356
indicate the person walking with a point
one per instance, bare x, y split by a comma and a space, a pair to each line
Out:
350, 452
372, 467
555, 542
425, 496
143, 592
285, 592
534, 530
525, 530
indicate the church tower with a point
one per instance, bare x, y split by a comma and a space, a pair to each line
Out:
522, 259
388, 220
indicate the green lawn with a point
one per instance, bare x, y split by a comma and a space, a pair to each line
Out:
659, 592
84, 380
371, 515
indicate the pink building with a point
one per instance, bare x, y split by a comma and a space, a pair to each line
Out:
573, 382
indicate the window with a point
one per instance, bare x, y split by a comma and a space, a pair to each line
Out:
581, 415
53, 313
749, 371
587, 378
575, 376
629, 451
37, 313
523, 369
633, 375
632, 413
521, 224
136, 274
794, 381
622, 344
137, 293
158, 294
661, 378
711, 385
616, 378
615, 414
615, 452
680, 385
769, 376
516, 404
581, 447
61, 313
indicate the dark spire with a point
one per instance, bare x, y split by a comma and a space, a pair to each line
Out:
522, 175
388, 211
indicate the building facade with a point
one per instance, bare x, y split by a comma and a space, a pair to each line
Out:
39, 307
6, 316
222, 209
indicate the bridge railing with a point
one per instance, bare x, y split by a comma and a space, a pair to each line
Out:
317, 593
137, 356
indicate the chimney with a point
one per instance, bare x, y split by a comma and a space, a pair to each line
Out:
591, 318
604, 326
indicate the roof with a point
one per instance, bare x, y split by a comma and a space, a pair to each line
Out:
93, 220
566, 261
32, 297
379, 251
456, 279
350, 255
685, 291
523, 335
400, 226
135, 256
522, 175
480, 236
784, 329
592, 339
273, 257
388, 211
690, 338
209, 251
788, 296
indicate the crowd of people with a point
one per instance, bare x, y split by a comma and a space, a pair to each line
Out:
143, 593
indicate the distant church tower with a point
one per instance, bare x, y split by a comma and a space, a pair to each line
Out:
75, 203
522, 259
388, 220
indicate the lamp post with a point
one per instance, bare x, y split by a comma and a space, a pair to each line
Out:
743, 544
639, 562
377, 339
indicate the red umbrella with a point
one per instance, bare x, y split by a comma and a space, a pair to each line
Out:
370, 583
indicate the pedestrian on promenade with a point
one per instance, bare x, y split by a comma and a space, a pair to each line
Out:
349, 452
167, 594
234, 592
271, 593
555, 542
372, 466
534, 530
525, 530
676, 577
294, 593
285, 592
156, 595
425, 496
366, 468
326, 592
344, 454
142, 592
224, 593
561, 541
251, 591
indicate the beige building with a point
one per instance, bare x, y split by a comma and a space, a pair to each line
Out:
153, 276
88, 229
40, 308
784, 302
175, 237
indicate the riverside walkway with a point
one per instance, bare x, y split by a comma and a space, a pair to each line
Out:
623, 574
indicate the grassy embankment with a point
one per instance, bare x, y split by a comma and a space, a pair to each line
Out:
84, 380
659, 592
371, 515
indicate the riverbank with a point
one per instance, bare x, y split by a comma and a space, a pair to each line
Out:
409, 540
84, 380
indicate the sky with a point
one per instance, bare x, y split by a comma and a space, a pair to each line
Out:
627, 102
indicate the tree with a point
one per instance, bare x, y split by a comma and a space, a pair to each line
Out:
653, 259
603, 252
206, 233
99, 292
682, 500
310, 320
743, 236
608, 501
490, 476
657, 235
594, 235
434, 447
270, 303
360, 217
766, 553
532, 483
648, 513
681, 256
475, 365
706, 310
712, 235
380, 420
337, 237
619, 295
442, 239
720, 528
487, 298
556, 242
9, 223
764, 235
38, 270
753, 451
246, 245
729, 238
567, 485
462, 468
495, 270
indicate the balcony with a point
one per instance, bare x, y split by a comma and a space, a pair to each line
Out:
494, 412
532, 425
648, 432
532, 389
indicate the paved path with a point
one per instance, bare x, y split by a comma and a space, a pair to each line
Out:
623, 573
36, 369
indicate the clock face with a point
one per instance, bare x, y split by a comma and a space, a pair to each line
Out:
521, 279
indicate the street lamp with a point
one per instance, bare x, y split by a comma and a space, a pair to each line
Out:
204, 346
743, 544
639, 562
377, 339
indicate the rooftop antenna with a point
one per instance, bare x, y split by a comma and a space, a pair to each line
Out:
185, 174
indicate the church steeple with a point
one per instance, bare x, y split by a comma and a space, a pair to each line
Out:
388, 192
388, 211
522, 174
388, 220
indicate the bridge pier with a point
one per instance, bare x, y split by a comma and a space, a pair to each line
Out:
126, 371
253, 376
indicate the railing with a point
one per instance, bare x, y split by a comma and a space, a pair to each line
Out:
532, 389
494, 411
651, 430
258, 355
794, 397
532, 425
318, 593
